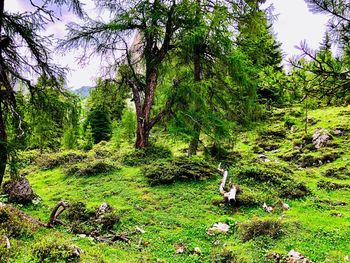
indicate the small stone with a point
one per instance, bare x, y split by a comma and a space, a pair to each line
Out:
179, 248
138, 229
218, 228
196, 251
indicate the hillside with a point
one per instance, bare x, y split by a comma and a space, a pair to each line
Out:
276, 162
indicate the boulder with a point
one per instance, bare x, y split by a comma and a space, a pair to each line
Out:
19, 190
320, 138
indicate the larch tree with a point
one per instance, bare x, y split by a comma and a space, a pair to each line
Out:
156, 23
23, 51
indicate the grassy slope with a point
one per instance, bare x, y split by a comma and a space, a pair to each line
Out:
182, 213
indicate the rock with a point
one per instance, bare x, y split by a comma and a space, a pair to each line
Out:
19, 190
338, 132
196, 251
218, 228
179, 248
267, 208
76, 251
320, 138
5, 242
103, 209
140, 230
263, 158
296, 257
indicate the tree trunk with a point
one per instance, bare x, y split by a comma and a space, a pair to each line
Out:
197, 78
143, 115
3, 146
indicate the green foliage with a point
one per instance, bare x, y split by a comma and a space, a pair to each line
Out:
109, 95
150, 154
260, 226
14, 224
276, 176
52, 160
99, 120
85, 221
53, 249
178, 169
89, 168
332, 185
88, 141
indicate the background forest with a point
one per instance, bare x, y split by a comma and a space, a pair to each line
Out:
129, 172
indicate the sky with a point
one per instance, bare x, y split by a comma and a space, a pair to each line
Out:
294, 23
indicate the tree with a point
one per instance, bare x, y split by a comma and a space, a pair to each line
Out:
111, 95
99, 121
23, 49
329, 74
156, 24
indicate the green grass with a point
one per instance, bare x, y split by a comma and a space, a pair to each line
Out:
183, 212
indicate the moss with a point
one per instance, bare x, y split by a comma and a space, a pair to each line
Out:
309, 160
147, 155
52, 160
331, 185
85, 221
279, 176
259, 227
89, 168
341, 173
178, 169
53, 249
14, 224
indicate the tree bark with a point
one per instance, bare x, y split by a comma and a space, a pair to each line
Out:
143, 115
3, 145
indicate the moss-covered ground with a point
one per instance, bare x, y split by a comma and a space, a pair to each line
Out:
317, 225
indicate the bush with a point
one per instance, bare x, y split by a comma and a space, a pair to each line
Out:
85, 221
89, 168
341, 173
277, 176
332, 186
148, 155
178, 169
13, 223
51, 249
258, 227
52, 160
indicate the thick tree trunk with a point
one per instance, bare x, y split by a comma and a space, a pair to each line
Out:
143, 115
3, 146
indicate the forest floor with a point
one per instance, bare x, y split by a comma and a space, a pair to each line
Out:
177, 216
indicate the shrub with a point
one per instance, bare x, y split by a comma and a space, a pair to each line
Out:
13, 223
85, 221
178, 169
326, 156
331, 185
89, 168
277, 176
341, 173
148, 155
258, 227
52, 160
53, 249
101, 150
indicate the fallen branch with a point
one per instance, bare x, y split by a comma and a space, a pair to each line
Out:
230, 196
56, 212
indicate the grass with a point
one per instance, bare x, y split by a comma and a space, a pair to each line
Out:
181, 213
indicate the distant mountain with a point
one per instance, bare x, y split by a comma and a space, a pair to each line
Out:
83, 91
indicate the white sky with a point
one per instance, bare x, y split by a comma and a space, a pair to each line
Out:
294, 24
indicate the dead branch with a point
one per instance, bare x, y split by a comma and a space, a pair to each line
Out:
56, 212
230, 196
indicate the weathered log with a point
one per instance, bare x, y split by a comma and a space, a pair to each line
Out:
230, 196
23, 215
56, 212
